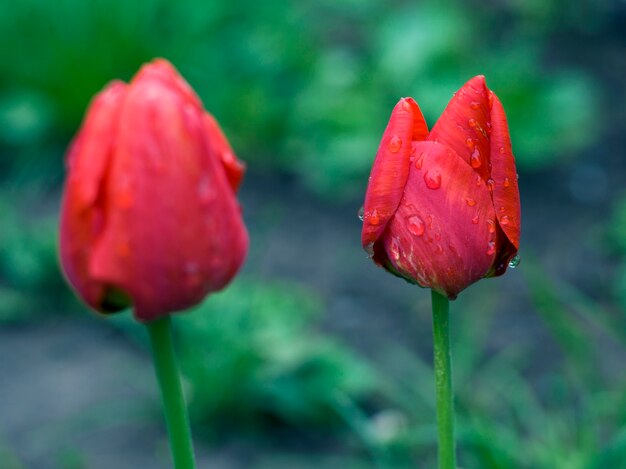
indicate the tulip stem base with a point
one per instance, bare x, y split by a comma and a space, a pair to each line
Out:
443, 381
176, 418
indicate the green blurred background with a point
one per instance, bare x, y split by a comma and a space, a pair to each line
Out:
313, 357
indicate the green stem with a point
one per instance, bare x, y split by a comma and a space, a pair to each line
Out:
443, 381
171, 393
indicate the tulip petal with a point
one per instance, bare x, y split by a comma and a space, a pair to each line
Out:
442, 235
163, 71
390, 170
465, 125
173, 229
219, 145
505, 188
82, 207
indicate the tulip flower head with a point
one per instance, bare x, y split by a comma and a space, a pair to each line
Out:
149, 214
442, 208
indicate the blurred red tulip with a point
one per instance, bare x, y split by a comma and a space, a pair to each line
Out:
442, 208
149, 214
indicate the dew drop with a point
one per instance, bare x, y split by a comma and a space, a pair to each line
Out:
479, 180
438, 249
394, 145
491, 98
475, 105
415, 225
490, 184
475, 220
405, 105
205, 193
504, 220
374, 218
432, 179
470, 143
491, 226
491, 248
506, 182
192, 272
453, 250
472, 123
361, 213
475, 159
470, 202
515, 261
394, 249
501, 150
419, 161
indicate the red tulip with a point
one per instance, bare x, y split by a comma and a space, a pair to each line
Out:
149, 213
442, 208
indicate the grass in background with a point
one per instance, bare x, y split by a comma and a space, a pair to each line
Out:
303, 88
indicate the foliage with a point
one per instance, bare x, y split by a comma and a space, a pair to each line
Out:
253, 351
302, 87
251, 356
616, 234
30, 280
567, 417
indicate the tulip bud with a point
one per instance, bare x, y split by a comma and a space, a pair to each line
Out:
442, 209
149, 214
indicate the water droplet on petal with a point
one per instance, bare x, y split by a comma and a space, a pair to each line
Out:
506, 182
472, 123
504, 220
470, 202
192, 272
515, 261
419, 161
490, 184
205, 191
491, 248
475, 220
501, 150
361, 213
453, 250
470, 143
405, 105
491, 225
394, 249
394, 145
438, 249
416, 225
475, 105
432, 179
479, 180
475, 159
373, 218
